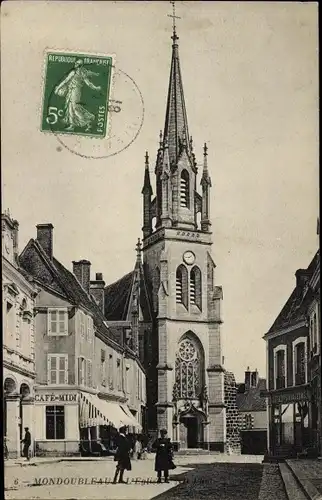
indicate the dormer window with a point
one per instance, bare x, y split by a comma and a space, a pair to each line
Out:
184, 189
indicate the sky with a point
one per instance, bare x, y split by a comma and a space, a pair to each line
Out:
250, 78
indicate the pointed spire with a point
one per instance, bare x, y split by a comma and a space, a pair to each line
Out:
138, 249
176, 123
160, 139
147, 189
205, 173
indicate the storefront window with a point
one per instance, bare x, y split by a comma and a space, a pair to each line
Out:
300, 364
55, 422
280, 369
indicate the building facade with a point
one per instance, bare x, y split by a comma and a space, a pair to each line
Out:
252, 408
18, 299
80, 395
293, 363
179, 316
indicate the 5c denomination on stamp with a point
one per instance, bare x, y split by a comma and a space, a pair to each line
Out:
76, 94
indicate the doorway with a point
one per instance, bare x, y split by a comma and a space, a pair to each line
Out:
192, 432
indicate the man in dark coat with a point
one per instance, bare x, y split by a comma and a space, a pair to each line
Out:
164, 456
122, 456
26, 443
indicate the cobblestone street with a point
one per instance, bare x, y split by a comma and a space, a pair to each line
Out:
218, 477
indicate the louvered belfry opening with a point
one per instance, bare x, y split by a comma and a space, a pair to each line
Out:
179, 286
195, 287
192, 287
184, 189
182, 285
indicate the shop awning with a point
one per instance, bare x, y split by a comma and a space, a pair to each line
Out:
90, 414
96, 411
137, 426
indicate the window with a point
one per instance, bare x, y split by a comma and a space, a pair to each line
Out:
82, 324
57, 322
248, 421
103, 367
127, 377
81, 371
89, 329
182, 285
10, 320
57, 366
279, 367
184, 189
299, 361
118, 374
188, 370
138, 383
110, 371
55, 422
89, 380
195, 286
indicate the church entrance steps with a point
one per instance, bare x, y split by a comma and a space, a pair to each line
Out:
196, 451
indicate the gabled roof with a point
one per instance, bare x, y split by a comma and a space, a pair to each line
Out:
294, 309
117, 298
55, 277
250, 400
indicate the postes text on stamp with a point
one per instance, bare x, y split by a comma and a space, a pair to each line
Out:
76, 94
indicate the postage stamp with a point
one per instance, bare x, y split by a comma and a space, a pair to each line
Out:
76, 94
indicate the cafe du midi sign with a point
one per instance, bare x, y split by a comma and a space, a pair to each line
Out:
63, 397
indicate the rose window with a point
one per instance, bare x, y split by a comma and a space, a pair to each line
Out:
187, 370
187, 350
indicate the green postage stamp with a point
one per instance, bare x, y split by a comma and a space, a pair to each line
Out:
76, 94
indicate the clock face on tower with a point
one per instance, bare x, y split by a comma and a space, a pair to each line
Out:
189, 257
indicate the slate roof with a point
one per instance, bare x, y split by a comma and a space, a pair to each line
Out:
294, 309
251, 400
117, 298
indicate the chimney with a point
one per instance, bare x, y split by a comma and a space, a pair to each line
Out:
302, 277
254, 378
45, 238
247, 379
82, 271
97, 290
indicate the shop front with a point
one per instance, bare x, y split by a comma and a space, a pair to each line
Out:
72, 422
289, 430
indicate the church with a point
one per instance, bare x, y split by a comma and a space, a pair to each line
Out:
170, 302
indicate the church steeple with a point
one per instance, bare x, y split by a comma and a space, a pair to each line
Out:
177, 203
147, 193
176, 124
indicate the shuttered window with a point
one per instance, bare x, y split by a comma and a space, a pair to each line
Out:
57, 369
57, 322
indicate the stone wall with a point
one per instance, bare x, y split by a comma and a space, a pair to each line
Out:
233, 417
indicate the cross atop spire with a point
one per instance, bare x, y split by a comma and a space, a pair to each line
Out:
174, 17
176, 124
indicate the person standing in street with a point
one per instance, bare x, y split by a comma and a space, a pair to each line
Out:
26, 443
122, 456
164, 456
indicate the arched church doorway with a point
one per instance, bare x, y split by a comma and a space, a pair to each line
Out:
191, 429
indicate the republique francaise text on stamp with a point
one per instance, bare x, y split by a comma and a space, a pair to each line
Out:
76, 93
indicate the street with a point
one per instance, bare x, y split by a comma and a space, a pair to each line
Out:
224, 478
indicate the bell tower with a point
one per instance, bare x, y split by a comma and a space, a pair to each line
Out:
185, 379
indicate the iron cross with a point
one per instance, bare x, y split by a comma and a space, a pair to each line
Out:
173, 15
